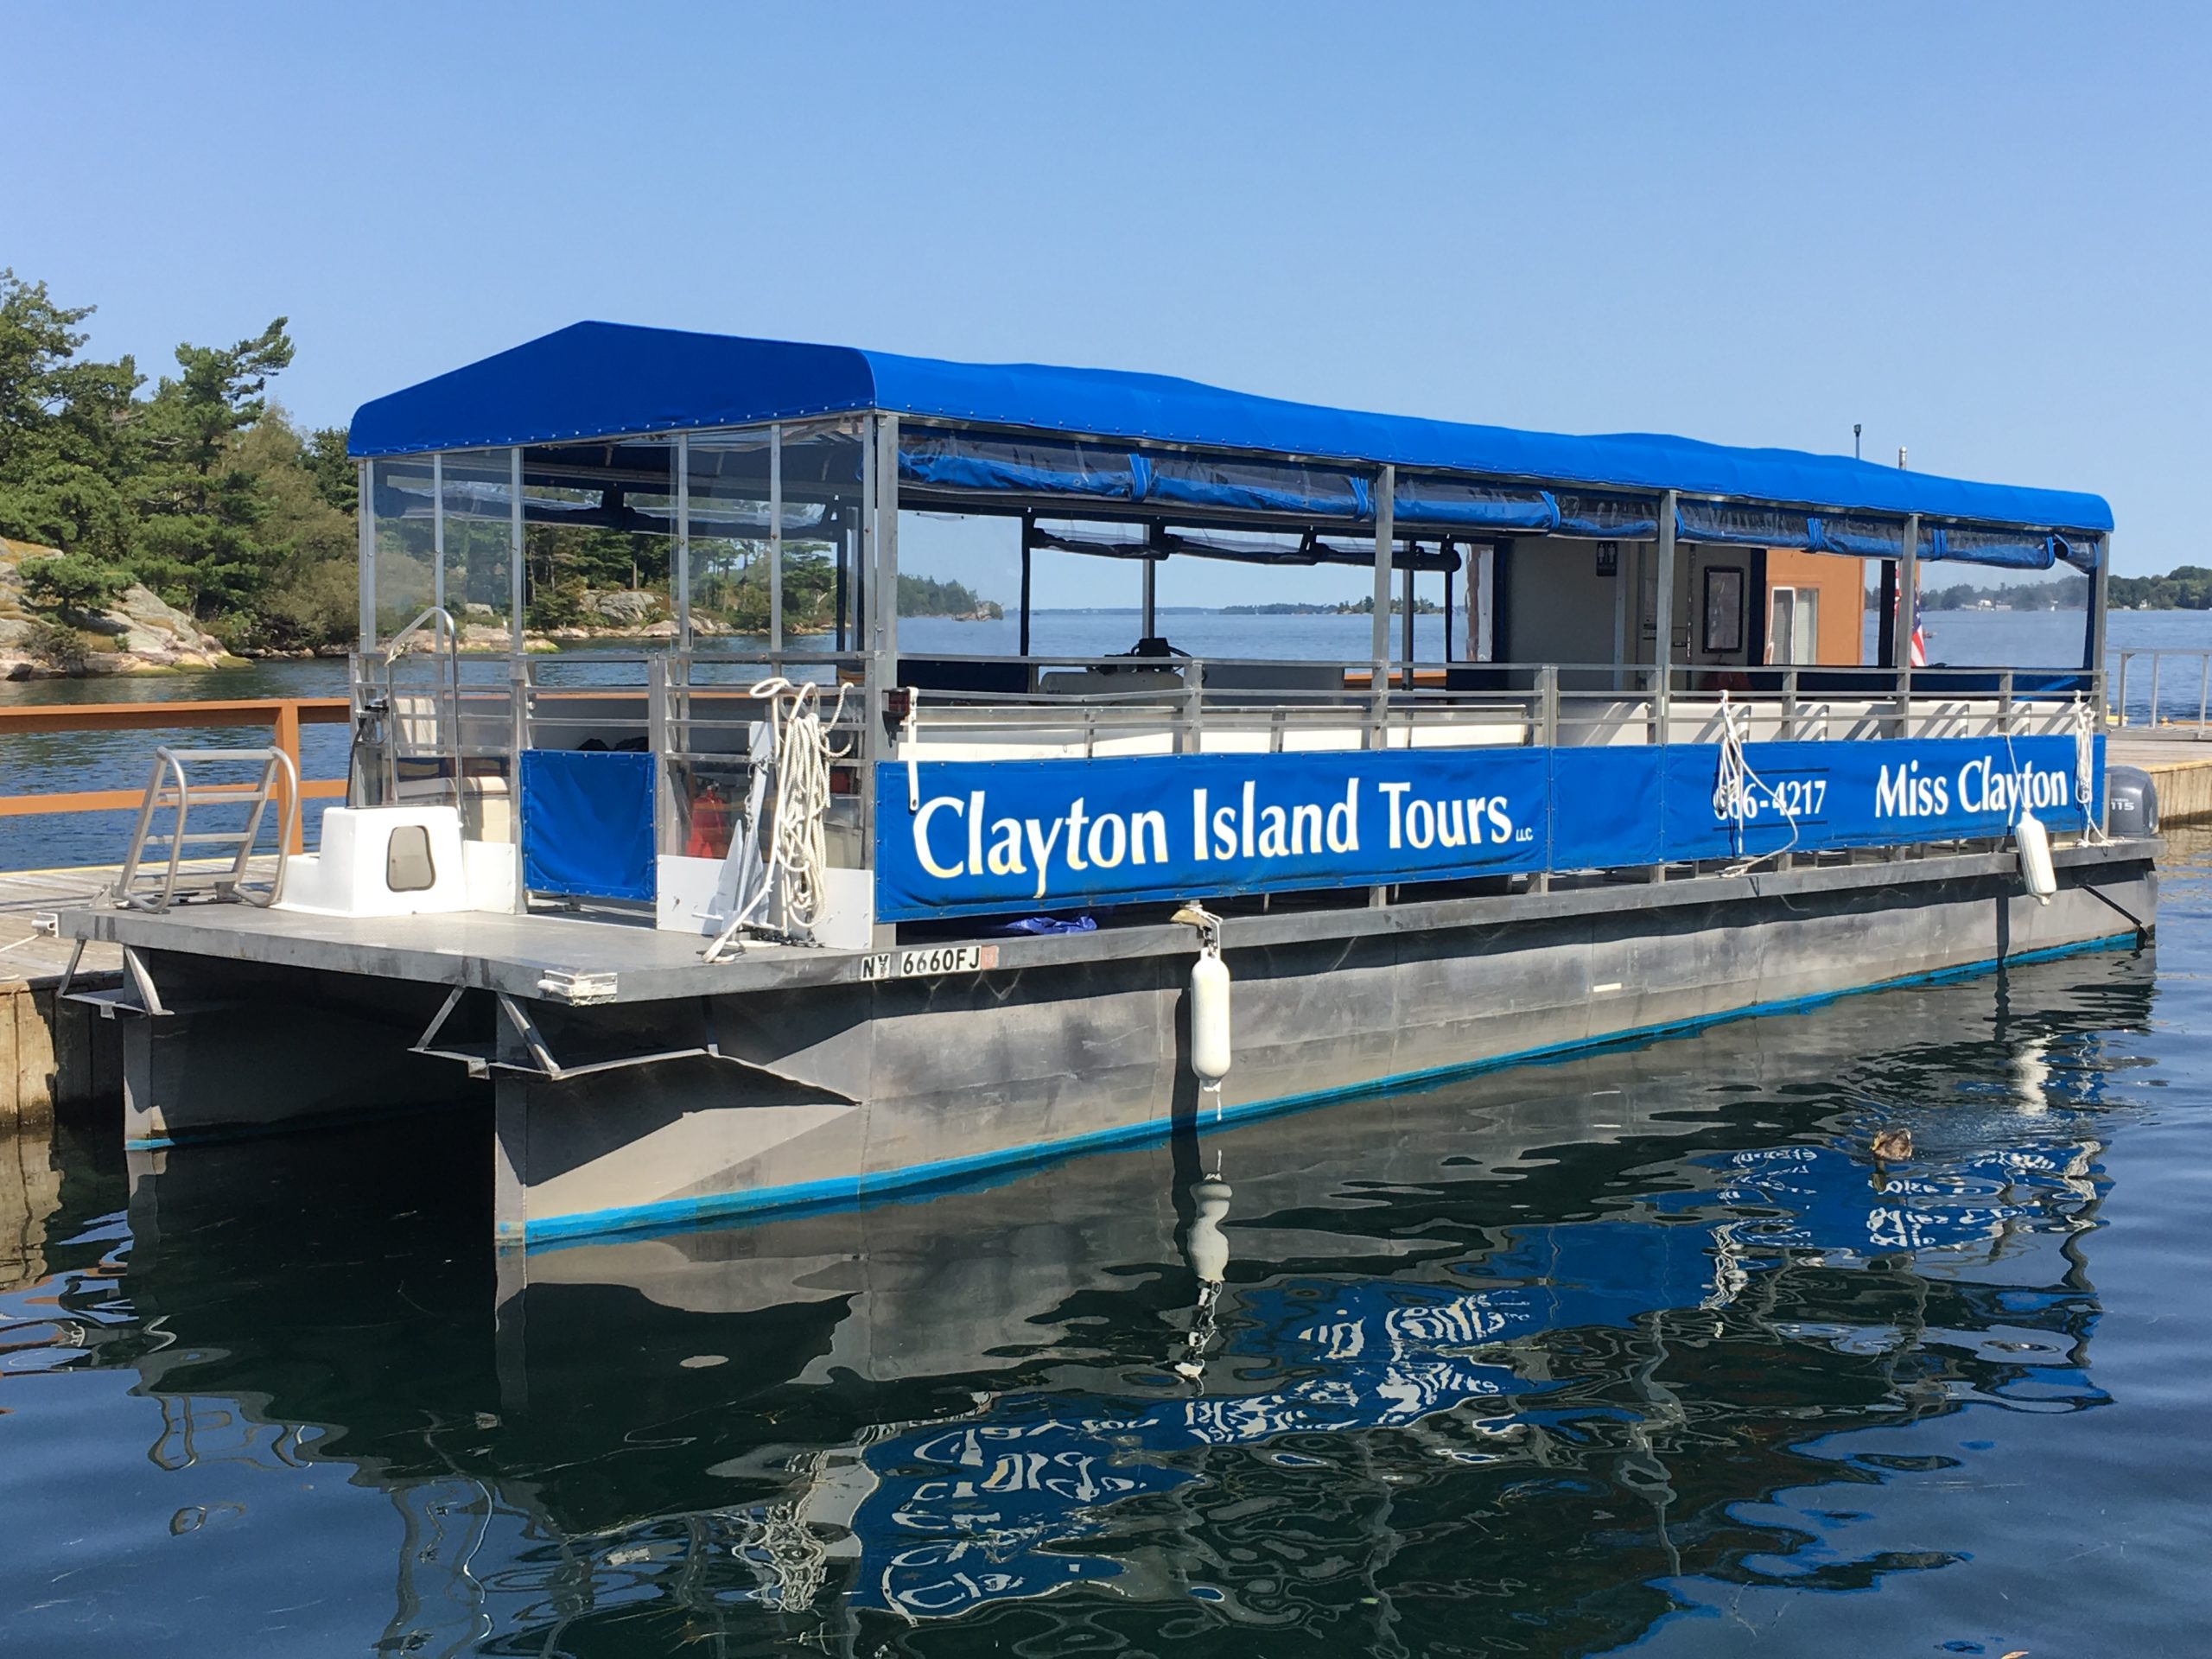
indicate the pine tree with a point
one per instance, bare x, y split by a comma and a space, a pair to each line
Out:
68, 430
200, 540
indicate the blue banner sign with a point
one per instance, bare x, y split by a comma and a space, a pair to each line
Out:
990, 837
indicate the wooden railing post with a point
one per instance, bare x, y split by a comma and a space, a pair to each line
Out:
288, 741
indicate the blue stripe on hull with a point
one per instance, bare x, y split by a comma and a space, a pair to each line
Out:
671, 1215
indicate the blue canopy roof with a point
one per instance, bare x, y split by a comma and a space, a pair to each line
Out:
600, 379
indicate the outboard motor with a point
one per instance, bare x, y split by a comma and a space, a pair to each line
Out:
2130, 803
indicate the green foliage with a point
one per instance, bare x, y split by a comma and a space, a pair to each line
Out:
730, 585
312, 606
336, 479
926, 596
59, 648
560, 606
601, 559
2067, 594
75, 583
200, 538
1364, 605
305, 546
2185, 587
67, 429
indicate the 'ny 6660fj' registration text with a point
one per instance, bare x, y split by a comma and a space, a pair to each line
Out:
931, 960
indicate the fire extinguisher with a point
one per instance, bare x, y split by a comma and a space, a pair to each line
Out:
709, 836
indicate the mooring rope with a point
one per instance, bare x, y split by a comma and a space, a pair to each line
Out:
1732, 787
798, 849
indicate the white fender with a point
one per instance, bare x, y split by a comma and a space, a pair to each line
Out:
1210, 1050
1208, 1248
2034, 843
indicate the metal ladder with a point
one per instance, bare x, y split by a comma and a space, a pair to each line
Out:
153, 886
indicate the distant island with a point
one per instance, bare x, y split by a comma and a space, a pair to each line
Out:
2067, 594
1362, 606
2185, 587
926, 596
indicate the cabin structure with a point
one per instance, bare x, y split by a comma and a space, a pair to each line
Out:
1603, 590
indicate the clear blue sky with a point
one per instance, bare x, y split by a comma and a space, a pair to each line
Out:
1980, 230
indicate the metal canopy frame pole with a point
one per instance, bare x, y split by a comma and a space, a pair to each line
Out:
1663, 621
515, 584
776, 546
438, 531
879, 568
1902, 620
1386, 490
1406, 627
680, 459
1028, 526
1628, 565
863, 639
848, 541
365, 527
2093, 646
1148, 625
1448, 611
885, 579
1885, 603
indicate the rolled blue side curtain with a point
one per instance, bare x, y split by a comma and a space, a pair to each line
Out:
955, 460
1866, 537
1737, 524
1230, 483
1448, 503
2012, 550
2082, 552
1605, 518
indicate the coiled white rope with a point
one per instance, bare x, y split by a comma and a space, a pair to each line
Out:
798, 849
2085, 766
1738, 788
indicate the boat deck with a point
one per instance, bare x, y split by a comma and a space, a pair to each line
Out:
568, 959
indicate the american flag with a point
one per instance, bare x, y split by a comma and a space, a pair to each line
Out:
1919, 640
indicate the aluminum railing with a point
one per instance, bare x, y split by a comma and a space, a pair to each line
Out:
2165, 690
699, 704
696, 711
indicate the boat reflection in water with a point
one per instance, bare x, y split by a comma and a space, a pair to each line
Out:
1532, 1353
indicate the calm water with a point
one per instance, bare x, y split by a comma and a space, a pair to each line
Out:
1637, 1351
119, 759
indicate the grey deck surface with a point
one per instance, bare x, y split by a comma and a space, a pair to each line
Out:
502, 952
514, 953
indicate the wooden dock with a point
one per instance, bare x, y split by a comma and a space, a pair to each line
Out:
2180, 760
54, 1056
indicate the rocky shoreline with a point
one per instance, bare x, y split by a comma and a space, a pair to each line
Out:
141, 633
144, 633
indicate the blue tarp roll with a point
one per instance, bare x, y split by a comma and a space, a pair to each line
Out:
587, 825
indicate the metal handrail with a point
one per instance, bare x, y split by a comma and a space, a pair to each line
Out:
445, 699
447, 631
2154, 707
183, 795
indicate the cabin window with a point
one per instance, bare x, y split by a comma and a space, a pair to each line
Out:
1794, 626
1724, 609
